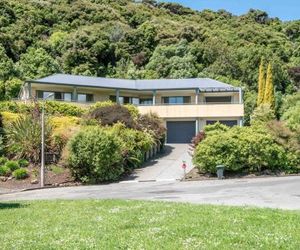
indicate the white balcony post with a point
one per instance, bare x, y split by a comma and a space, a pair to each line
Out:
197, 96
240, 96
117, 96
154, 98
28, 87
74, 95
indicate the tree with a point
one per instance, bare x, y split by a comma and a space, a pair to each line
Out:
37, 63
6, 65
261, 83
269, 88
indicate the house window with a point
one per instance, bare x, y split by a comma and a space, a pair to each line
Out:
176, 99
229, 123
60, 96
146, 101
67, 97
125, 99
218, 99
84, 97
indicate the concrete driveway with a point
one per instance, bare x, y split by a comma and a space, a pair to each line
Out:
166, 166
273, 192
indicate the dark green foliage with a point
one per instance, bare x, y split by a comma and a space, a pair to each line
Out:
111, 114
20, 173
12, 165
146, 40
23, 163
95, 156
246, 149
3, 160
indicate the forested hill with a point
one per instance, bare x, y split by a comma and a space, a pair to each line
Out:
142, 40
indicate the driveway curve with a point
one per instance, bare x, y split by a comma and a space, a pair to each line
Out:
166, 166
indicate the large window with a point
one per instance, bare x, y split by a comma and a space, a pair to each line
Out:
218, 99
176, 99
84, 97
146, 101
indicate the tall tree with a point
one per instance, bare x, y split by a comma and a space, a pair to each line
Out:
261, 82
269, 97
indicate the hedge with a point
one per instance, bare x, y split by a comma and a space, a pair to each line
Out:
242, 149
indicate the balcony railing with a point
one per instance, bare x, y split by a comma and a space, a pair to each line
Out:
138, 105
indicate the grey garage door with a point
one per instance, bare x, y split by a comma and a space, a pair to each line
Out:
180, 131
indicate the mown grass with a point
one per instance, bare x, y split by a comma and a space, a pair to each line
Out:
115, 224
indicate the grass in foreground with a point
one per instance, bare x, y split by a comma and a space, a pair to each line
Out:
114, 224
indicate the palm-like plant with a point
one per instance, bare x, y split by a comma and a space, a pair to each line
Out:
24, 138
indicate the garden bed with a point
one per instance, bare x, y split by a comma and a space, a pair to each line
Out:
55, 176
196, 175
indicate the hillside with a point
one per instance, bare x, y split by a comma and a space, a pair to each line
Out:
142, 40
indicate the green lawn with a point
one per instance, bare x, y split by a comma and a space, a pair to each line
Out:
114, 224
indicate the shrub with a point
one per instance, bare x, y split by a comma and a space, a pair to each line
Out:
292, 117
9, 118
24, 138
152, 124
109, 115
23, 163
12, 165
20, 173
95, 155
3, 160
198, 138
4, 171
62, 108
15, 107
215, 128
134, 144
244, 149
262, 114
51, 107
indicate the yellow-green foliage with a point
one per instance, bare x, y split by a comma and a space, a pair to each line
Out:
133, 110
65, 125
269, 89
101, 104
261, 83
9, 117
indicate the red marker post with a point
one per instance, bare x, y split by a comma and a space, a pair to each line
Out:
183, 166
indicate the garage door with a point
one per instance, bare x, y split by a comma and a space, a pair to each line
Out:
180, 132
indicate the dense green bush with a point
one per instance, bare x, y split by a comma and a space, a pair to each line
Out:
62, 108
4, 171
134, 144
292, 117
3, 160
95, 155
23, 163
20, 173
51, 107
15, 107
241, 149
12, 165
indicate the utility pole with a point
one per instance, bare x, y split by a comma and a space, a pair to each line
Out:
42, 174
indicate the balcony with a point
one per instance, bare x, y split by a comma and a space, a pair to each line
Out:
195, 110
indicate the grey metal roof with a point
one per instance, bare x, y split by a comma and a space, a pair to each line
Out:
157, 84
